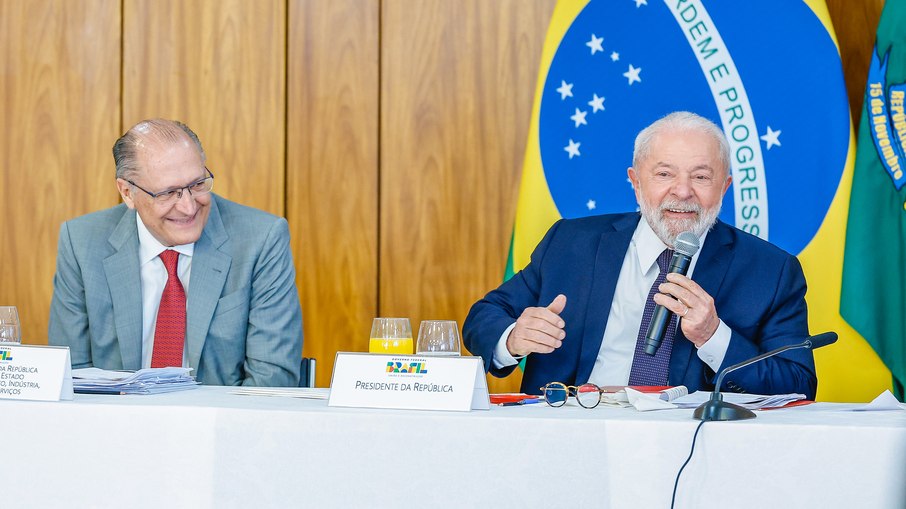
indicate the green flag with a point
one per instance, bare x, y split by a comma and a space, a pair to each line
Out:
873, 297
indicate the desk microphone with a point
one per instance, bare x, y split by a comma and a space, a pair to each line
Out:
685, 247
716, 409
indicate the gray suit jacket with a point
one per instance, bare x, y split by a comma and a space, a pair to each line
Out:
243, 318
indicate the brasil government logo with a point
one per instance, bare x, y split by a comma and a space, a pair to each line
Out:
407, 367
768, 72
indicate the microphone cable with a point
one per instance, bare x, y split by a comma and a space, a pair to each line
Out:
678, 474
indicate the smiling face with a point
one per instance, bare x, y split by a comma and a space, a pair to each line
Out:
163, 165
680, 183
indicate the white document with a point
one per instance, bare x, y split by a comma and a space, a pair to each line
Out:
285, 392
885, 401
99, 374
644, 402
143, 381
750, 401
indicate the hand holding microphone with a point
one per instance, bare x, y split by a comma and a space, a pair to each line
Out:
685, 298
681, 296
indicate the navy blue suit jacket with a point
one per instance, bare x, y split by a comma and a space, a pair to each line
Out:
758, 291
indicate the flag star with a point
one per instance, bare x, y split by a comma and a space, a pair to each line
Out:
596, 103
572, 149
591, 204
595, 44
614, 56
632, 74
771, 138
579, 117
566, 90
639, 3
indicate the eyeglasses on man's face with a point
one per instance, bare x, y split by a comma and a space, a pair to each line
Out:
171, 196
588, 395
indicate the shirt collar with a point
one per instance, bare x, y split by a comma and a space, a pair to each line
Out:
648, 246
150, 248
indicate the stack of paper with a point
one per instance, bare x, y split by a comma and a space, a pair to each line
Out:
143, 381
643, 398
750, 401
286, 392
620, 395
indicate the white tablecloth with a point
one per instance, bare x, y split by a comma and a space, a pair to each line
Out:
209, 448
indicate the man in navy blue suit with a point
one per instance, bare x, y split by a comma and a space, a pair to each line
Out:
575, 312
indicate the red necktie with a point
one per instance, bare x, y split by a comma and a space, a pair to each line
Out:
170, 331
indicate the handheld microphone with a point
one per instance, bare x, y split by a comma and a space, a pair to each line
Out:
685, 247
716, 409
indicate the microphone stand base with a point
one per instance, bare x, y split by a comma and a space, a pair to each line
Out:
721, 411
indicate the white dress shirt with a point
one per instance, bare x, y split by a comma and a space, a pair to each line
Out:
154, 279
637, 274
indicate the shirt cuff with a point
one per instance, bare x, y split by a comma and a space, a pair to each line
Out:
502, 357
714, 350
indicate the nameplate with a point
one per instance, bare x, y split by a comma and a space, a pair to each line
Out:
42, 373
410, 382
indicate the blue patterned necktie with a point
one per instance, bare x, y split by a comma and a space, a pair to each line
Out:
652, 369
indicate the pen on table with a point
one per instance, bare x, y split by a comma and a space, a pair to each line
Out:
527, 401
116, 392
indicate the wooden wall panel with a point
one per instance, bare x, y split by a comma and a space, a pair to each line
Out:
218, 66
332, 171
457, 85
59, 90
855, 24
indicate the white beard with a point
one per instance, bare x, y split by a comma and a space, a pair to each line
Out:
668, 229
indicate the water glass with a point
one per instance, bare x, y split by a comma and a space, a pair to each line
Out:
438, 337
10, 329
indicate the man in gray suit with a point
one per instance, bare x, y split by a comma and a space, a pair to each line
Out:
177, 275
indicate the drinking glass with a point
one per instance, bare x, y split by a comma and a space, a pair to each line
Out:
391, 335
438, 337
10, 330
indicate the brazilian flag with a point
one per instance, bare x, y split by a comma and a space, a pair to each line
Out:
874, 269
768, 72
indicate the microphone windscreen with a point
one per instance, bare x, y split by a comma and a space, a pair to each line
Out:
822, 339
686, 243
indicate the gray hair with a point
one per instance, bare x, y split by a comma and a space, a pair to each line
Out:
682, 121
125, 150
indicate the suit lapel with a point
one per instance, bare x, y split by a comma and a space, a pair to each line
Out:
125, 285
612, 248
210, 267
710, 269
